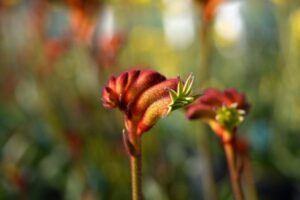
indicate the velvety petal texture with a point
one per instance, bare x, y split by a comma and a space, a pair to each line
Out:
142, 95
212, 99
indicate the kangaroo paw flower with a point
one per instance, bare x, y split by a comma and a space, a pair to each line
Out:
227, 108
223, 111
144, 96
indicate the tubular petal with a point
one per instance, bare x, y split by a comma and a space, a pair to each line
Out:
154, 112
132, 76
200, 111
112, 82
146, 79
109, 98
153, 94
121, 83
212, 97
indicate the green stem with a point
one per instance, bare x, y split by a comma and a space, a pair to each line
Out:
205, 53
209, 185
136, 170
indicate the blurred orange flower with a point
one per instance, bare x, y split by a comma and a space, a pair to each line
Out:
221, 110
83, 17
209, 8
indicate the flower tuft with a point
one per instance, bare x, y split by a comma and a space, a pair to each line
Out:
182, 97
229, 116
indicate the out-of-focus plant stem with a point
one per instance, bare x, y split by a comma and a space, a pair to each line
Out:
228, 139
136, 169
230, 156
208, 180
249, 180
210, 192
205, 51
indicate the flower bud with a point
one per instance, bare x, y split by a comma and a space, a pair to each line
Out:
227, 108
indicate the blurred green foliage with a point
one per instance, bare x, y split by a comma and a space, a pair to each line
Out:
58, 142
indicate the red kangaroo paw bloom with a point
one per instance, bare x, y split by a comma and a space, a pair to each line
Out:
227, 108
144, 97
138, 94
224, 111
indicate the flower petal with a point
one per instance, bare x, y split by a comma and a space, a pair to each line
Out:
155, 111
121, 83
153, 94
200, 111
232, 96
212, 97
146, 79
109, 98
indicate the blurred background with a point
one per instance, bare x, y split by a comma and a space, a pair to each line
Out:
58, 142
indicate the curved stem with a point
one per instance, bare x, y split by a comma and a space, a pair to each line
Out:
229, 148
234, 176
136, 170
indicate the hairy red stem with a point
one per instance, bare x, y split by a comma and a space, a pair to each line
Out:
230, 152
236, 186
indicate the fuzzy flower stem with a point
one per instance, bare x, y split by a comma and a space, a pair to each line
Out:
136, 170
230, 156
236, 186
229, 148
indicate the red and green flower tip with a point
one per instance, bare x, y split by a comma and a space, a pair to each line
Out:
226, 109
144, 96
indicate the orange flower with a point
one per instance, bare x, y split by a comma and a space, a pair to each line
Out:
109, 48
209, 8
83, 17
